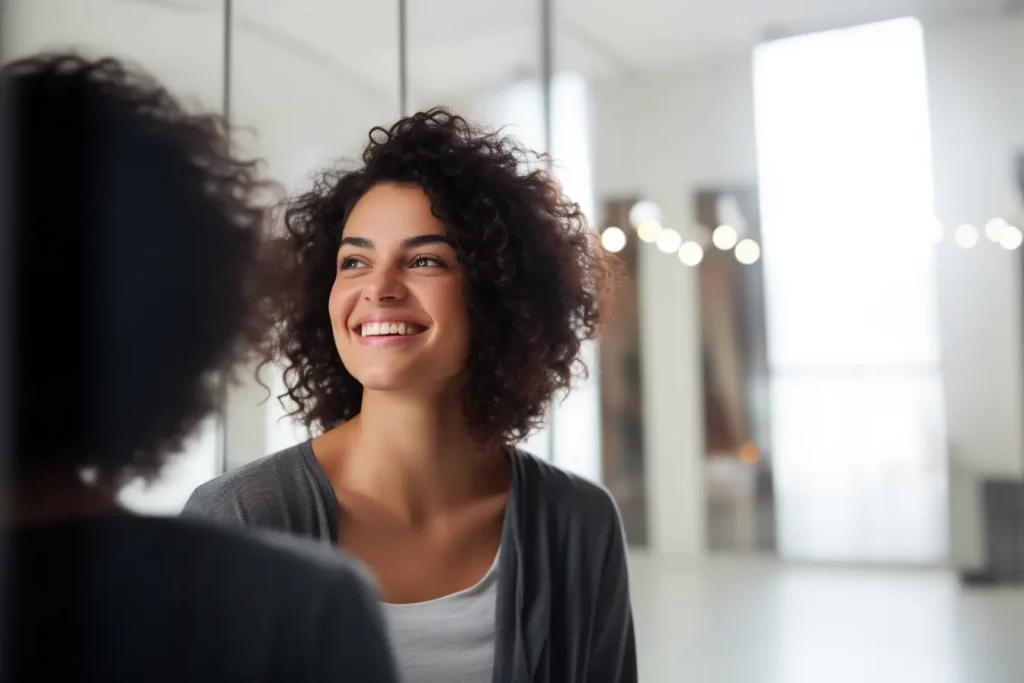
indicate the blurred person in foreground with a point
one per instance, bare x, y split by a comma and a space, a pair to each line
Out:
136, 234
432, 302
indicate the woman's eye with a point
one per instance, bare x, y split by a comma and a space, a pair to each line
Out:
427, 262
350, 263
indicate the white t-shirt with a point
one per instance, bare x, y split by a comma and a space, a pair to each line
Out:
449, 639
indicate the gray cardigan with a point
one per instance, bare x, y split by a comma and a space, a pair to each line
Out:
563, 596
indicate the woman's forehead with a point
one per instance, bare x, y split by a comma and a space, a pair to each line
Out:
393, 212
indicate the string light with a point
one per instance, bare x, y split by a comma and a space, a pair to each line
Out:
613, 239
748, 252
724, 237
645, 216
648, 231
1011, 238
691, 253
994, 229
669, 241
644, 211
966, 236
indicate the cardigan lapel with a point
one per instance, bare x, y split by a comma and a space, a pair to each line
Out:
524, 587
534, 564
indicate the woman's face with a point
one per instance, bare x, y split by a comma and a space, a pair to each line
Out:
397, 307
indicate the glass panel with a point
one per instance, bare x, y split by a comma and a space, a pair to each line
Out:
309, 78
483, 61
150, 35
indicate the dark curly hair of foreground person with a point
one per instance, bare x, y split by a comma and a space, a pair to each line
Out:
136, 239
535, 277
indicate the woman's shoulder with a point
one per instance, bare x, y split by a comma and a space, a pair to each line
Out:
565, 498
264, 493
283, 469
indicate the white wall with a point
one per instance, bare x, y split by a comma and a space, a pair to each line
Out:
661, 138
975, 73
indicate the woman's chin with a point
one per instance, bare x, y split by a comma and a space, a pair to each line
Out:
389, 380
403, 383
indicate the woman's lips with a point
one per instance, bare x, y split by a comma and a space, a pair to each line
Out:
389, 333
390, 340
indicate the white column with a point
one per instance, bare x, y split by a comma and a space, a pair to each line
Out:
673, 394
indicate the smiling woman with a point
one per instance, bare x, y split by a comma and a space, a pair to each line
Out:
431, 303
399, 288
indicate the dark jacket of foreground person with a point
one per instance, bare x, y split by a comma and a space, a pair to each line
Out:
129, 598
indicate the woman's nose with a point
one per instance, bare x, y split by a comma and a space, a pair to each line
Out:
385, 285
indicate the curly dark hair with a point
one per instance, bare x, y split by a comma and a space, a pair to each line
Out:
535, 277
137, 239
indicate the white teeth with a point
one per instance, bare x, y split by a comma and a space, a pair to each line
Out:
387, 328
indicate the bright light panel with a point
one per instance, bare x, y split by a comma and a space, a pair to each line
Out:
845, 169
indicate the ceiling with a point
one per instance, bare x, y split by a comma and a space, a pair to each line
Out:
654, 33
460, 45
463, 44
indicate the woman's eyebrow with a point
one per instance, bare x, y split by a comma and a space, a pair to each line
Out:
407, 243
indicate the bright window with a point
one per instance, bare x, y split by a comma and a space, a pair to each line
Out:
845, 169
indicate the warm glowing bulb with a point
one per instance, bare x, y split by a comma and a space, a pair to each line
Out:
724, 237
648, 231
1011, 238
691, 253
749, 453
669, 240
934, 231
748, 252
994, 229
613, 239
644, 211
966, 235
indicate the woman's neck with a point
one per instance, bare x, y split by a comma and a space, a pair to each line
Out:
415, 454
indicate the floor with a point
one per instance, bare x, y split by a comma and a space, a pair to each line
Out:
731, 620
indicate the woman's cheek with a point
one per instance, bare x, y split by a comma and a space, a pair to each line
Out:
340, 303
